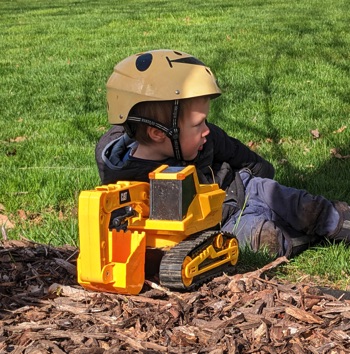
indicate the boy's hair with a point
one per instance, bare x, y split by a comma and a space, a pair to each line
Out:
159, 111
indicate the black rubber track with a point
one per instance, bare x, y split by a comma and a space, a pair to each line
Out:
170, 271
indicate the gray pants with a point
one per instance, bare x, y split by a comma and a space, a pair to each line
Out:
293, 212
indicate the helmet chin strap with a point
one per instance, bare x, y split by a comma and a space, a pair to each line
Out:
172, 133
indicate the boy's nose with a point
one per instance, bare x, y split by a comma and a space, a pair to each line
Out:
206, 130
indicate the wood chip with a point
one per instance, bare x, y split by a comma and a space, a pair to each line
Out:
44, 310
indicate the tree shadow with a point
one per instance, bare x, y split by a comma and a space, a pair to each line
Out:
314, 179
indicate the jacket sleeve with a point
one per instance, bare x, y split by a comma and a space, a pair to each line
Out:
238, 155
105, 173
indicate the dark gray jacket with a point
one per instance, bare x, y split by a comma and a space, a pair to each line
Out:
221, 157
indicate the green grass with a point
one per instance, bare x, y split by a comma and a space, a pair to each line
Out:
283, 66
327, 265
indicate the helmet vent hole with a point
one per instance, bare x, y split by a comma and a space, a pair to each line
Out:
144, 61
169, 62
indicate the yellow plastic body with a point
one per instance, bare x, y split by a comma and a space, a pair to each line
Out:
113, 261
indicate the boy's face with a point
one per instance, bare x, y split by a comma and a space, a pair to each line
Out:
193, 128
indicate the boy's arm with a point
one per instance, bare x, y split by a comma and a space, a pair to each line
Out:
238, 155
254, 162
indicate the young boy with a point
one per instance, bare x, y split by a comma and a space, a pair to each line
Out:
159, 102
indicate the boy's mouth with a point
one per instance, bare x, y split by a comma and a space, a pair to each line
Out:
201, 146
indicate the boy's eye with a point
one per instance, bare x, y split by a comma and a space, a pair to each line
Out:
200, 123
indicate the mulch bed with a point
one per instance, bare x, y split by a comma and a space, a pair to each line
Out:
44, 310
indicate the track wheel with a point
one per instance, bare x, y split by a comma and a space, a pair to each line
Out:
187, 281
233, 255
218, 241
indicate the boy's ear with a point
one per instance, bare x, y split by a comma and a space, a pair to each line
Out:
156, 135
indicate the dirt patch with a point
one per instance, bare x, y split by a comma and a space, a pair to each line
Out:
44, 310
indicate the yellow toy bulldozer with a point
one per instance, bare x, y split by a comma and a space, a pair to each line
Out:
119, 223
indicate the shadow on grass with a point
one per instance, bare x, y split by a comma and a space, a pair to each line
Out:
250, 261
314, 180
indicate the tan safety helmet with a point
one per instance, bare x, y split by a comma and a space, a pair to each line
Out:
157, 75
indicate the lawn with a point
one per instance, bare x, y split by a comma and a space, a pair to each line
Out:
283, 67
